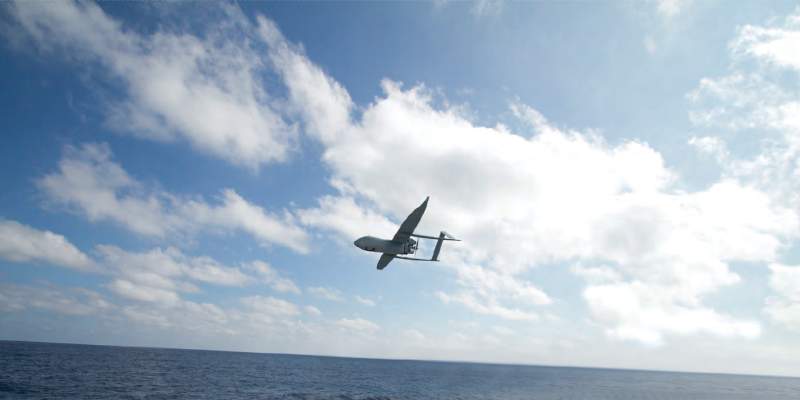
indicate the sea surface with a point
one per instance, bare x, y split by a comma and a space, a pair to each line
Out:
67, 371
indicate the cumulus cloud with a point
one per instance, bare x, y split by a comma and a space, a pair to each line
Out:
558, 195
22, 243
90, 183
756, 98
206, 89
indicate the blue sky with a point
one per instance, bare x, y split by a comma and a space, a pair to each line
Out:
623, 176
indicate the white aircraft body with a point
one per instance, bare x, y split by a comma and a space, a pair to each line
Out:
402, 243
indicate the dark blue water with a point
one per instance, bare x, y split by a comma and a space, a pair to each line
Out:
40, 370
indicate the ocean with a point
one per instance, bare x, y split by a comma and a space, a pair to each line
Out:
67, 371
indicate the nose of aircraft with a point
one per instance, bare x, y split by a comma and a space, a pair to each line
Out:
357, 243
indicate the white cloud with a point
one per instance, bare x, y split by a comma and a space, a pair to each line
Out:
161, 275
365, 301
650, 44
272, 277
206, 269
414, 335
594, 275
359, 325
785, 280
146, 317
326, 293
755, 201
344, 216
784, 307
22, 243
711, 145
488, 292
207, 90
311, 310
486, 8
646, 312
758, 99
140, 292
271, 306
89, 182
69, 301
671, 8
156, 277
776, 45
490, 307
558, 196
503, 330
323, 103
196, 319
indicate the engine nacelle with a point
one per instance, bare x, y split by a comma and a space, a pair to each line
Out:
410, 246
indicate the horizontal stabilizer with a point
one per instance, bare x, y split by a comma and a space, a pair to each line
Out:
440, 237
415, 259
448, 236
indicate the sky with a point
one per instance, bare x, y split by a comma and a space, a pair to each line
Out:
624, 176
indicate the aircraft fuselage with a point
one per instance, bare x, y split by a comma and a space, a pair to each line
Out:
370, 243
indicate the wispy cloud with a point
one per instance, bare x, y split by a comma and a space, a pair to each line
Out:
365, 301
359, 325
89, 182
159, 275
272, 277
69, 301
326, 293
671, 8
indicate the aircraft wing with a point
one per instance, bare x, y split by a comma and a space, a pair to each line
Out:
385, 260
411, 222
